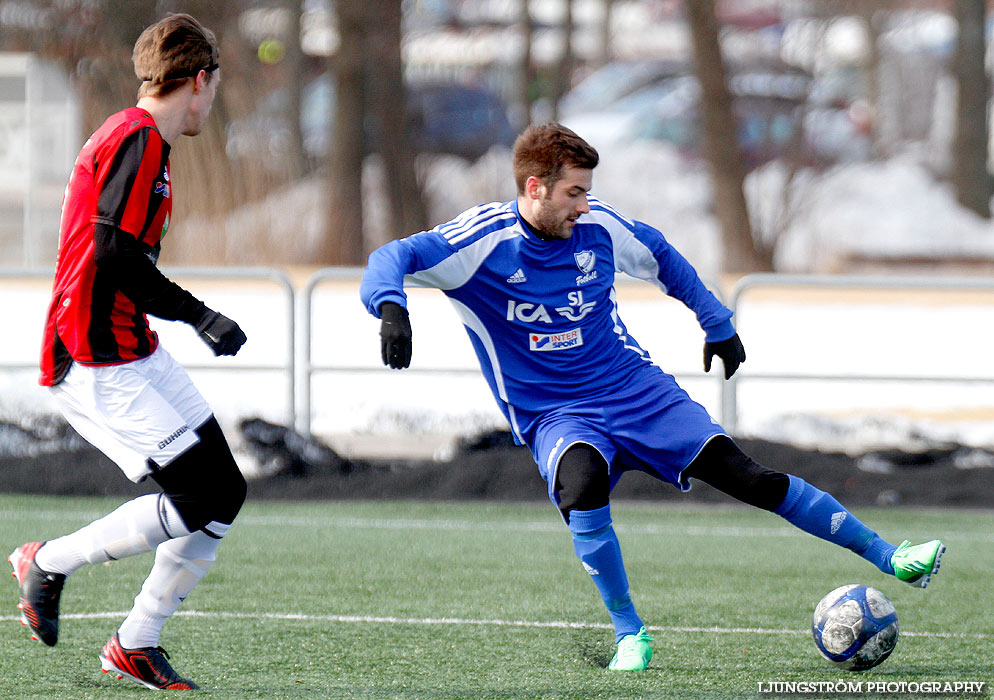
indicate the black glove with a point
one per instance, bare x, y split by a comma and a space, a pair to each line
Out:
730, 351
221, 334
395, 335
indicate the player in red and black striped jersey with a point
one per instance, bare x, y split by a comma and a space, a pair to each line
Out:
113, 381
115, 214
117, 205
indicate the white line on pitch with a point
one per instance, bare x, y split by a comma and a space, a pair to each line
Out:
530, 527
466, 525
429, 621
554, 526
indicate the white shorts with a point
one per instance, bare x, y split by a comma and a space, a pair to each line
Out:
134, 412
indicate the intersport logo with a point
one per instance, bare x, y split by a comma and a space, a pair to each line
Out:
546, 342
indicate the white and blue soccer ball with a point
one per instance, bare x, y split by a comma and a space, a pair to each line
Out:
855, 627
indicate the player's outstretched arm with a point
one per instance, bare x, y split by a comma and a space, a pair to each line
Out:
122, 258
731, 351
395, 335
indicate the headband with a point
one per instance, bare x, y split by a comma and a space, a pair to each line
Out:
184, 74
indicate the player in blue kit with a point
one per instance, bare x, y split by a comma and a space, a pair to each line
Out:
533, 281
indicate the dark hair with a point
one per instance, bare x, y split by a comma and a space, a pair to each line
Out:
172, 50
544, 150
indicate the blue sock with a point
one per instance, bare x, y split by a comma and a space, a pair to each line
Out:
597, 546
819, 514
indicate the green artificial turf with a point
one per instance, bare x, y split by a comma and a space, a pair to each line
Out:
484, 600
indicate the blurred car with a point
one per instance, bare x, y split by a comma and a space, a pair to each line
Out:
457, 119
774, 116
617, 80
447, 118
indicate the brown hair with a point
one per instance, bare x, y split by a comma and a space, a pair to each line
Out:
544, 150
172, 50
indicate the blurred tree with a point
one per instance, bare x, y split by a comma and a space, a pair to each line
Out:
969, 175
406, 207
740, 252
343, 244
604, 52
567, 60
370, 102
526, 67
293, 80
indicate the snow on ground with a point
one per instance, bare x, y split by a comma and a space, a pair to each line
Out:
891, 209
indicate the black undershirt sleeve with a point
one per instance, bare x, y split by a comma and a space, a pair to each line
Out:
132, 268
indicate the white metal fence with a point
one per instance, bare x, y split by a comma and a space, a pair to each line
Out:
302, 342
925, 346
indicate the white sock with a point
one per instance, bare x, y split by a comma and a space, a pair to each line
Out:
136, 527
179, 566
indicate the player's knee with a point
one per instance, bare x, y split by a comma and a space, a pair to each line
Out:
724, 466
767, 489
228, 483
582, 480
230, 495
209, 505
204, 483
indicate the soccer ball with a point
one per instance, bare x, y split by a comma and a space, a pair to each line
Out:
855, 627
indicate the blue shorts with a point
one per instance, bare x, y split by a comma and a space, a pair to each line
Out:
650, 425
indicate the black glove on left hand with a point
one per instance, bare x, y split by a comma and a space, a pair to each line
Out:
221, 334
731, 352
395, 335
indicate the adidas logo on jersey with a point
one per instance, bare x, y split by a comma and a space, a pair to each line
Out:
517, 278
837, 520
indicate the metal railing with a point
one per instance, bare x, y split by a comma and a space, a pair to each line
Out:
288, 368
729, 395
308, 368
299, 373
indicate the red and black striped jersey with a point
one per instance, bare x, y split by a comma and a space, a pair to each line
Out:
119, 184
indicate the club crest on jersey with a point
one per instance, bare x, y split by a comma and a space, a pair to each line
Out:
585, 260
162, 188
545, 342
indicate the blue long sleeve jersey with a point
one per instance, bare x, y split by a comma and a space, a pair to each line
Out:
542, 315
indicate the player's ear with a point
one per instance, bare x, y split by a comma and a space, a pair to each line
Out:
200, 81
534, 187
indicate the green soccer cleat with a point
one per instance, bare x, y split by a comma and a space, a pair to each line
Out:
915, 564
633, 653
